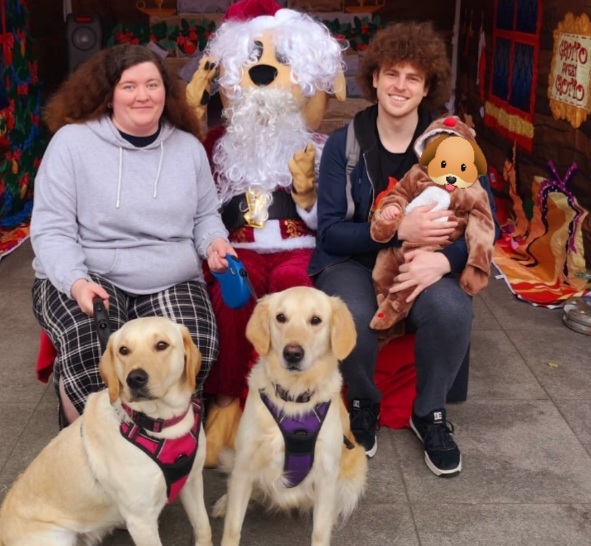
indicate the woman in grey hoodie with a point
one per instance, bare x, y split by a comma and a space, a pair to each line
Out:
125, 210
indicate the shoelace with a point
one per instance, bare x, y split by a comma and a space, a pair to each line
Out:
439, 435
364, 419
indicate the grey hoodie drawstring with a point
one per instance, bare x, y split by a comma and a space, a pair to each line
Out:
159, 168
118, 202
119, 181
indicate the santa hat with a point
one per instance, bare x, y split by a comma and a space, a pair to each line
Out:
243, 10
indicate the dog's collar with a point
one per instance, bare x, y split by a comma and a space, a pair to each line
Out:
286, 397
148, 423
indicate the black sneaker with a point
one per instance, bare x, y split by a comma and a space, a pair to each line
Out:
364, 416
442, 454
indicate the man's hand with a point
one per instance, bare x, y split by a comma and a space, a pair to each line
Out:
216, 254
84, 292
421, 269
421, 226
301, 167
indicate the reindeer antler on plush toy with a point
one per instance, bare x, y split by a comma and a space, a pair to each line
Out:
275, 69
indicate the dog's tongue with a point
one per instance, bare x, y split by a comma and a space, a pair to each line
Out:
450, 187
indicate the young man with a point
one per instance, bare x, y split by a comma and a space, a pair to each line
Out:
406, 73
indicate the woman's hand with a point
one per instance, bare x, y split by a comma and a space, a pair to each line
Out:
216, 254
84, 292
421, 269
421, 225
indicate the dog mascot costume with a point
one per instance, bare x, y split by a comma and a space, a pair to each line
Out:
446, 175
275, 69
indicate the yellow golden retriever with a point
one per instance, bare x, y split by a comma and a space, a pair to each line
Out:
294, 447
91, 478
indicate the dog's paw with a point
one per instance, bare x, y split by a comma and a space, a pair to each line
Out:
219, 508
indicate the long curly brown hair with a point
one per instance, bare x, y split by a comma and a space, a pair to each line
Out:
86, 94
409, 42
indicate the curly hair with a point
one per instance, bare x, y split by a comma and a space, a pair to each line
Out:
86, 94
409, 42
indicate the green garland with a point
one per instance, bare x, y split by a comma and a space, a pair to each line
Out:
191, 35
21, 140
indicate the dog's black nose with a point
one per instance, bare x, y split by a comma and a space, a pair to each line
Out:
293, 354
450, 179
262, 74
137, 379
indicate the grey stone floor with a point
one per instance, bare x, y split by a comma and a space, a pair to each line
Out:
525, 435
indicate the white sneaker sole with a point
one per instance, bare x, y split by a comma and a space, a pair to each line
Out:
370, 453
437, 471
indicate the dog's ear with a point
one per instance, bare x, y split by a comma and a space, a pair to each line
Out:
258, 330
343, 335
107, 371
192, 358
430, 150
479, 159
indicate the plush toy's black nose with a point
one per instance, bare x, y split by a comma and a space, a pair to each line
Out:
137, 379
262, 74
293, 354
450, 179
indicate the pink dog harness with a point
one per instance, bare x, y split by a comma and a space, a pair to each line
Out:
175, 456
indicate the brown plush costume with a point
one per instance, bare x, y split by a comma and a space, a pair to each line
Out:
448, 175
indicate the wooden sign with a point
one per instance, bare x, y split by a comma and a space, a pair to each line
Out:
569, 81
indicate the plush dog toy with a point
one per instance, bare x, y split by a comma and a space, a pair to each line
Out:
275, 69
447, 174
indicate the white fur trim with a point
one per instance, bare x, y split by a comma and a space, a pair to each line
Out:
268, 240
310, 217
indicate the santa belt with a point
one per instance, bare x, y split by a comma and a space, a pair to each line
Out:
282, 207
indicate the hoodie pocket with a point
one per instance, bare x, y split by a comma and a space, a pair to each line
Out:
101, 261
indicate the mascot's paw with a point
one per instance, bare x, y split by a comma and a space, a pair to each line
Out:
221, 424
301, 167
199, 88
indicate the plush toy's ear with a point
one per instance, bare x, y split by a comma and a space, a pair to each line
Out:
340, 86
313, 110
430, 150
479, 159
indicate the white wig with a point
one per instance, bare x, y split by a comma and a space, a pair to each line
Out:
305, 43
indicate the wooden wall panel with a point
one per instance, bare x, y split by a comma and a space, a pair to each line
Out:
554, 140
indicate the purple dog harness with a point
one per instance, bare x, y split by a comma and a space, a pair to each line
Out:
175, 456
299, 434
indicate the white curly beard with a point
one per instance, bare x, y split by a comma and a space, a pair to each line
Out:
265, 128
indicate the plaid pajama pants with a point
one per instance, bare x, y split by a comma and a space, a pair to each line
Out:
76, 340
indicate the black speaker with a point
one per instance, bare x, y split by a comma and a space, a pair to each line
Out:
83, 38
